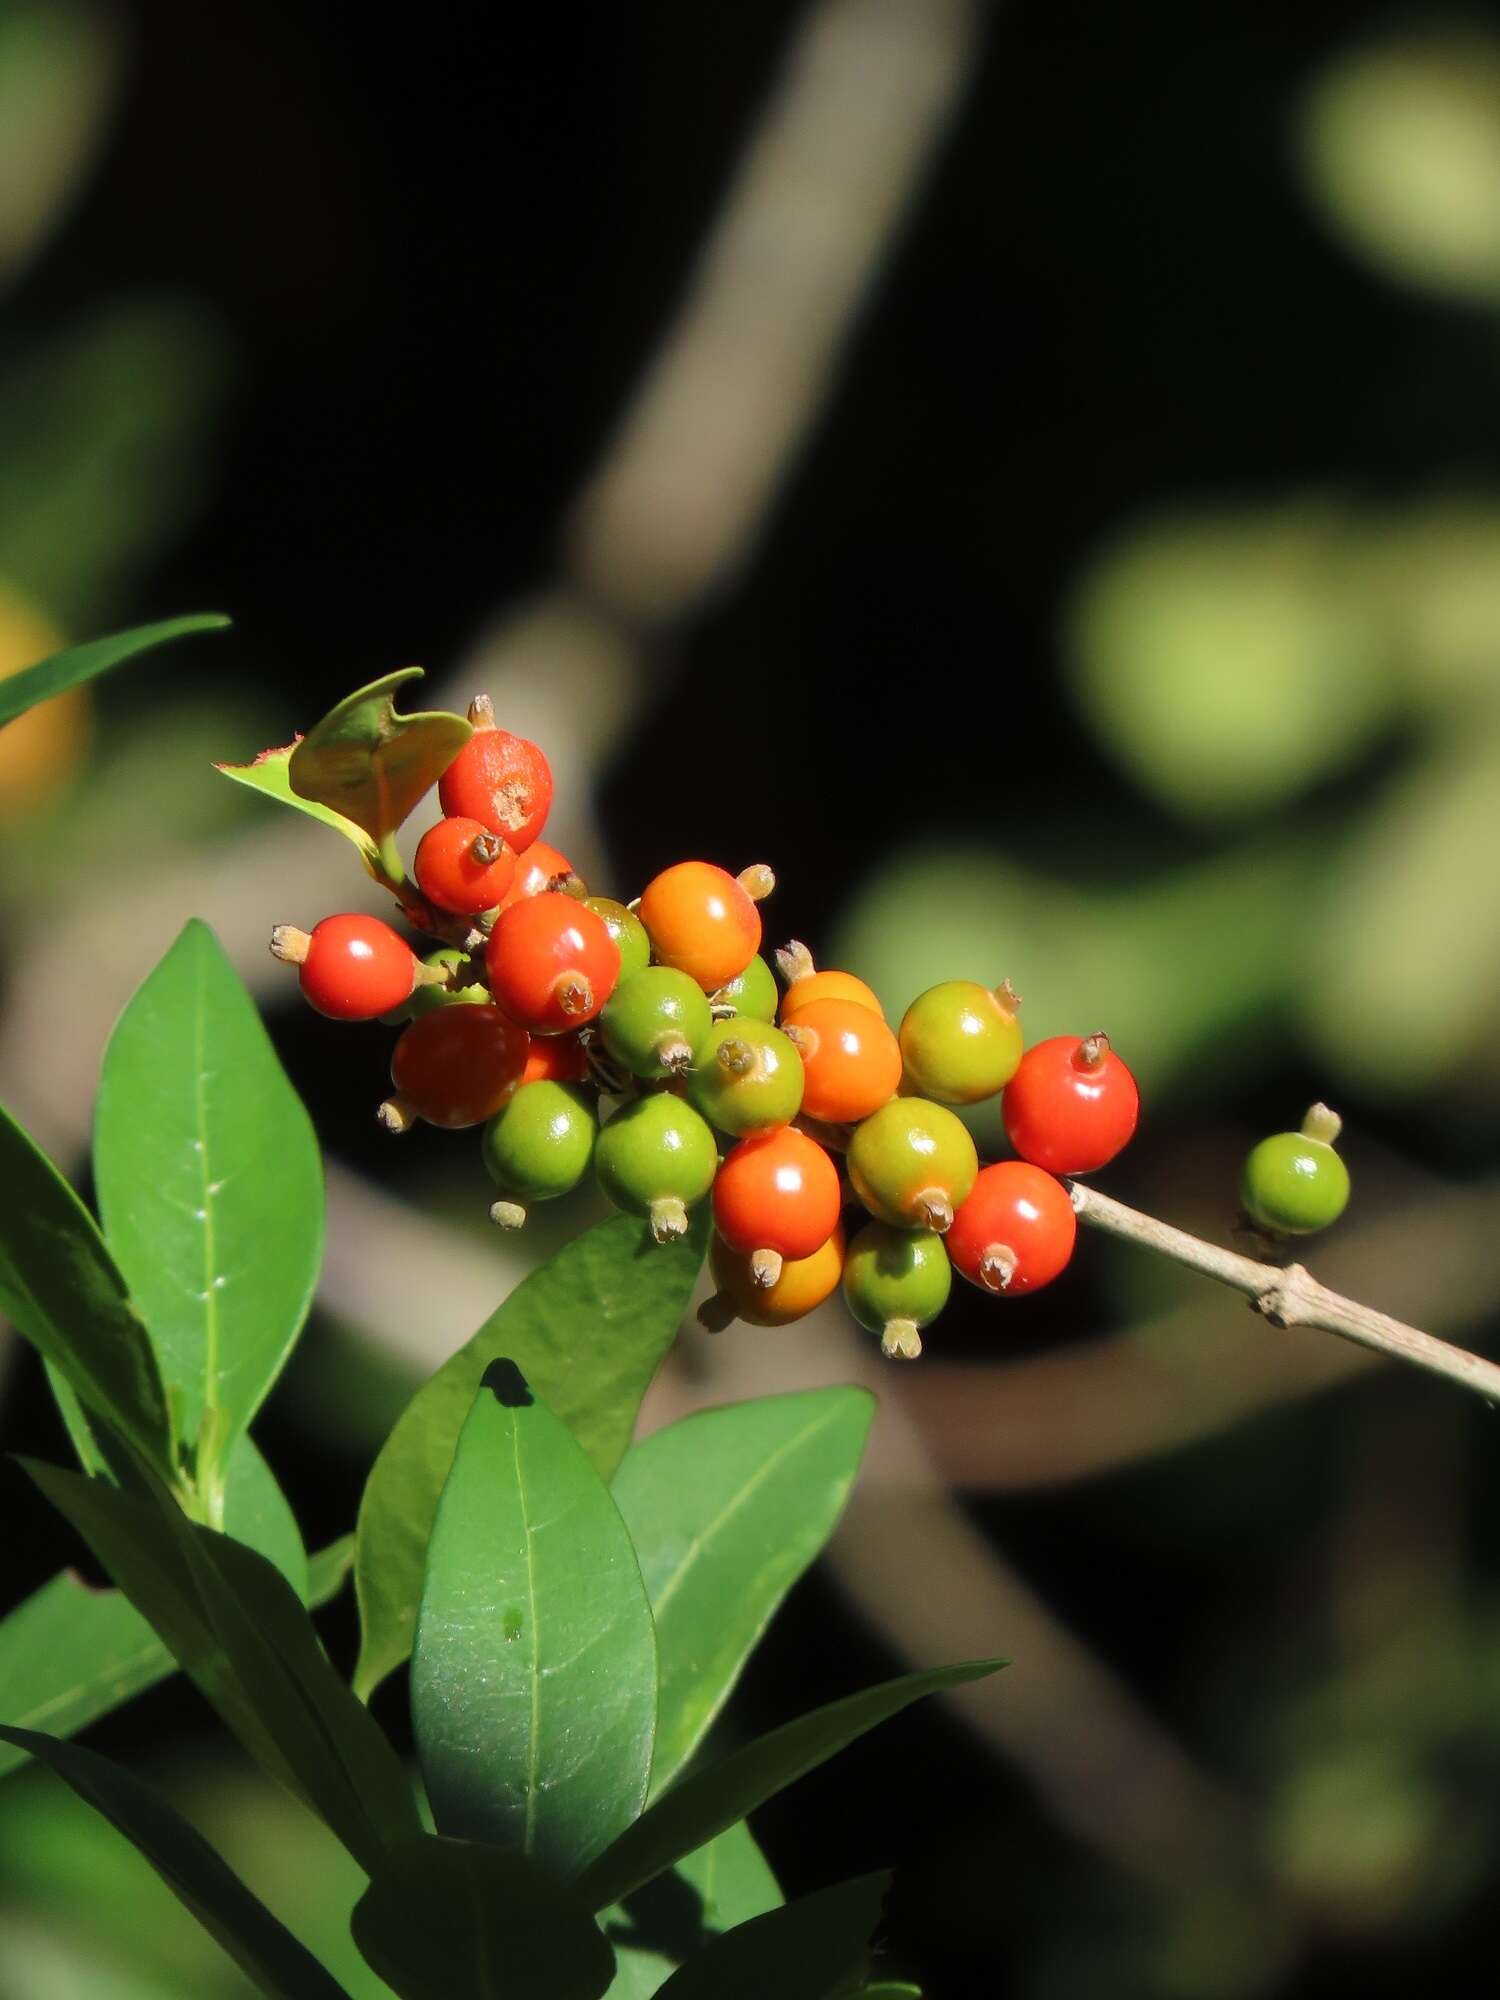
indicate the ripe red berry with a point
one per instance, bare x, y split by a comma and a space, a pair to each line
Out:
1071, 1105
539, 869
703, 921
501, 780
777, 1193
552, 963
463, 867
455, 1067
556, 1059
351, 967
1016, 1230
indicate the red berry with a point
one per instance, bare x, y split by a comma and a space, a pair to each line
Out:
501, 780
351, 967
556, 1059
777, 1192
455, 1067
463, 867
552, 963
1016, 1230
1071, 1105
538, 869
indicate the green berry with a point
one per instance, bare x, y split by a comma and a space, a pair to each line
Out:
627, 930
1294, 1182
912, 1163
897, 1281
539, 1146
753, 993
656, 1158
748, 1077
960, 1041
425, 998
655, 1022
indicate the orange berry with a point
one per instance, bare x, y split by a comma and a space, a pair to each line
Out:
805, 1282
702, 922
851, 1061
829, 986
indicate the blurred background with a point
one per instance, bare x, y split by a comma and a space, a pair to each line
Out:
1032, 477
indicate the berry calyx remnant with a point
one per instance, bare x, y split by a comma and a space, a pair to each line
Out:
1071, 1105
1294, 1182
656, 1022
747, 1078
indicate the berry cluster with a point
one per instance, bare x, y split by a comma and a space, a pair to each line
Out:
720, 1085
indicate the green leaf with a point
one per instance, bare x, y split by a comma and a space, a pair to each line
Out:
369, 764
233, 1623
709, 1800
533, 1676
258, 1513
61, 1287
262, 1948
449, 1918
891, 1989
270, 773
723, 1884
726, 1510
210, 1185
817, 1948
588, 1330
326, 1570
77, 664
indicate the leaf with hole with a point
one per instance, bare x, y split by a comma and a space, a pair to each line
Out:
726, 1510
588, 1330
533, 1675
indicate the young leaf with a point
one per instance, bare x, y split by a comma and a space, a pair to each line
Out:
327, 1569
95, 656
262, 1948
817, 1948
233, 1623
270, 773
707, 1801
533, 1676
726, 1510
448, 1918
210, 1185
61, 1287
723, 1884
588, 1330
371, 765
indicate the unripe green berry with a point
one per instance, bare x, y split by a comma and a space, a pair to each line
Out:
748, 1077
656, 1022
1294, 1182
539, 1146
960, 1042
897, 1281
754, 993
656, 1158
913, 1163
425, 998
627, 930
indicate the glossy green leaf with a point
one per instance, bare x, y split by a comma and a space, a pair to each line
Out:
726, 1510
210, 1185
533, 1675
371, 765
64, 1292
704, 1803
263, 1948
235, 1626
448, 1918
69, 669
723, 1884
270, 773
817, 1948
588, 1330
327, 1569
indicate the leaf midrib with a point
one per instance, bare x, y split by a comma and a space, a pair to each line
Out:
210, 1246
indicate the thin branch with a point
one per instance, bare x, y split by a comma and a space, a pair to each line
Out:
1289, 1295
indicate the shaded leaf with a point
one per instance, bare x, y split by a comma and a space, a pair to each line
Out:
327, 1569
443, 1918
270, 773
234, 1624
77, 664
61, 1287
726, 1510
892, 1989
371, 765
723, 1884
533, 1676
817, 1948
262, 1948
704, 1803
588, 1330
210, 1185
